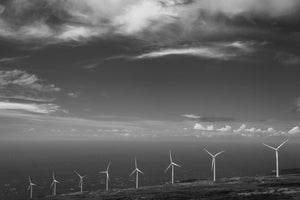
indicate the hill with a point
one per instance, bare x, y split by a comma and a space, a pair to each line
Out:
267, 187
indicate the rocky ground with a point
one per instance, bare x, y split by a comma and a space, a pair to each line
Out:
267, 187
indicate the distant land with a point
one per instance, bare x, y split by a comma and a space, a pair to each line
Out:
241, 188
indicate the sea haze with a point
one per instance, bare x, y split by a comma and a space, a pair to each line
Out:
18, 160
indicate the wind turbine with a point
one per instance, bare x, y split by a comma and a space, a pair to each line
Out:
172, 165
53, 184
80, 180
213, 162
276, 152
136, 171
107, 175
30, 187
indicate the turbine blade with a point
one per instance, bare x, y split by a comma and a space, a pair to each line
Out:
53, 177
219, 153
108, 166
135, 163
171, 159
132, 172
29, 179
209, 152
139, 171
29, 187
52, 184
269, 146
77, 174
168, 167
281, 144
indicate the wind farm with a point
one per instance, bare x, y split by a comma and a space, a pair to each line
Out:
184, 179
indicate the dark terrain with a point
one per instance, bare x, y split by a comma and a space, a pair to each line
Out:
268, 187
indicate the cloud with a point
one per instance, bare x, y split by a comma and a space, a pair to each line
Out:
225, 129
55, 21
191, 116
12, 59
240, 129
30, 107
19, 84
73, 94
288, 59
294, 130
198, 126
222, 51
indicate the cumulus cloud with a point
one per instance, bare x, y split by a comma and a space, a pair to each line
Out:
225, 129
240, 129
198, 126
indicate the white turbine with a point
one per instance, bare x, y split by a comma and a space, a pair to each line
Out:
213, 162
107, 175
30, 187
172, 165
53, 184
80, 181
276, 152
136, 171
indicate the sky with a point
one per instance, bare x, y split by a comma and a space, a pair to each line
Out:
144, 69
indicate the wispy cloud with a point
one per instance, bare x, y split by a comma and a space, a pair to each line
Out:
80, 21
12, 59
191, 116
25, 92
221, 51
19, 84
288, 59
30, 107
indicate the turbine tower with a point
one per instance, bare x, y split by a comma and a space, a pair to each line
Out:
136, 171
53, 184
276, 152
172, 165
30, 187
213, 162
107, 175
80, 181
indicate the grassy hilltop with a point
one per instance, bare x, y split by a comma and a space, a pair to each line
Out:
266, 187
